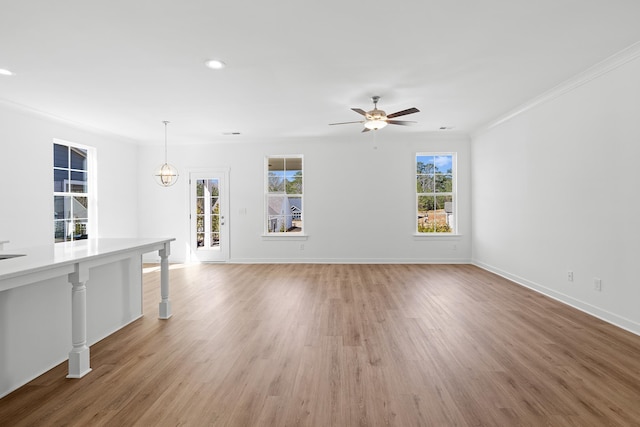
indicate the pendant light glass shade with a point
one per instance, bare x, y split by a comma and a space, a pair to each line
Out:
166, 175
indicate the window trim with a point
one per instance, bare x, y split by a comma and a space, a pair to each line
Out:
266, 234
455, 234
91, 193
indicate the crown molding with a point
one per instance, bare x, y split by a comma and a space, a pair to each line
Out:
603, 67
65, 121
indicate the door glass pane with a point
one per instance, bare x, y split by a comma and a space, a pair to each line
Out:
213, 187
215, 240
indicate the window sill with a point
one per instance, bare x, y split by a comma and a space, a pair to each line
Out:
437, 236
285, 236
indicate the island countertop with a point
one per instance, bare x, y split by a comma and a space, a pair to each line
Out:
60, 258
76, 262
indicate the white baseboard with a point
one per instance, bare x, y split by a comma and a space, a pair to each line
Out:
349, 261
607, 316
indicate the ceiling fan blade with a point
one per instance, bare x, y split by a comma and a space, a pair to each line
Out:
360, 111
366, 130
400, 122
345, 123
403, 113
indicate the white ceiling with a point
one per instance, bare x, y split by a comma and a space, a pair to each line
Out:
293, 66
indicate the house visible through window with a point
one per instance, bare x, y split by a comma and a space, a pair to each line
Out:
71, 194
284, 195
435, 193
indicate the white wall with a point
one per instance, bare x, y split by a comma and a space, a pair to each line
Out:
359, 198
555, 189
26, 192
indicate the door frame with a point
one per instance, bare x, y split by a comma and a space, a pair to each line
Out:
205, 173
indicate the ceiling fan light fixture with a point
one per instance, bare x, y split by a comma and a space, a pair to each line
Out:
375, 124
377, 119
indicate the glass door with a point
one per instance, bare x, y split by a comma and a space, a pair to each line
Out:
209, 230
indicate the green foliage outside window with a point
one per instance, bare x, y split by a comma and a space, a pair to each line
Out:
435, 193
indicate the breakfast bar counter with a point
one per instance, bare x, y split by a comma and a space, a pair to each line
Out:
75, 263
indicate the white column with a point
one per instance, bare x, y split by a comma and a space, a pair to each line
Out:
79, 354
165, 304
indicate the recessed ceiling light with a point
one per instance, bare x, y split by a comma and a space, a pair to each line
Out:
215, 64
5, 72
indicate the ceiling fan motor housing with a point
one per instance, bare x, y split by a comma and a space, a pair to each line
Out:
376, 114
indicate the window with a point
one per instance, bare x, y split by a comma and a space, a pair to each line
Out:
71, 194
435, 192
284, 200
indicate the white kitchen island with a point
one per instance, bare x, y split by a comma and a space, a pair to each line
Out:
36, 312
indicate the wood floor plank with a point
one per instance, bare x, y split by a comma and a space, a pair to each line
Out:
345, 345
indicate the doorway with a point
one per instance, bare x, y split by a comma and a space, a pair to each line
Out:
209, 211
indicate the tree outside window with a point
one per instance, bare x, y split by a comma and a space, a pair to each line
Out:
435, 192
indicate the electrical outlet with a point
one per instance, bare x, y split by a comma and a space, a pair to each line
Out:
597, 284
302, 246
570, 276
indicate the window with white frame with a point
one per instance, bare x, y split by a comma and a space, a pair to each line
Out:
284, 207
436, 193
72, 196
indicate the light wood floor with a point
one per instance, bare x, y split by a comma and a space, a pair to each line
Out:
346, 345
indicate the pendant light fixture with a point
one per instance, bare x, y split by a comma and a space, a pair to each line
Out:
166, 175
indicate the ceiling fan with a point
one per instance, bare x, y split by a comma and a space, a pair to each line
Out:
377, 119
